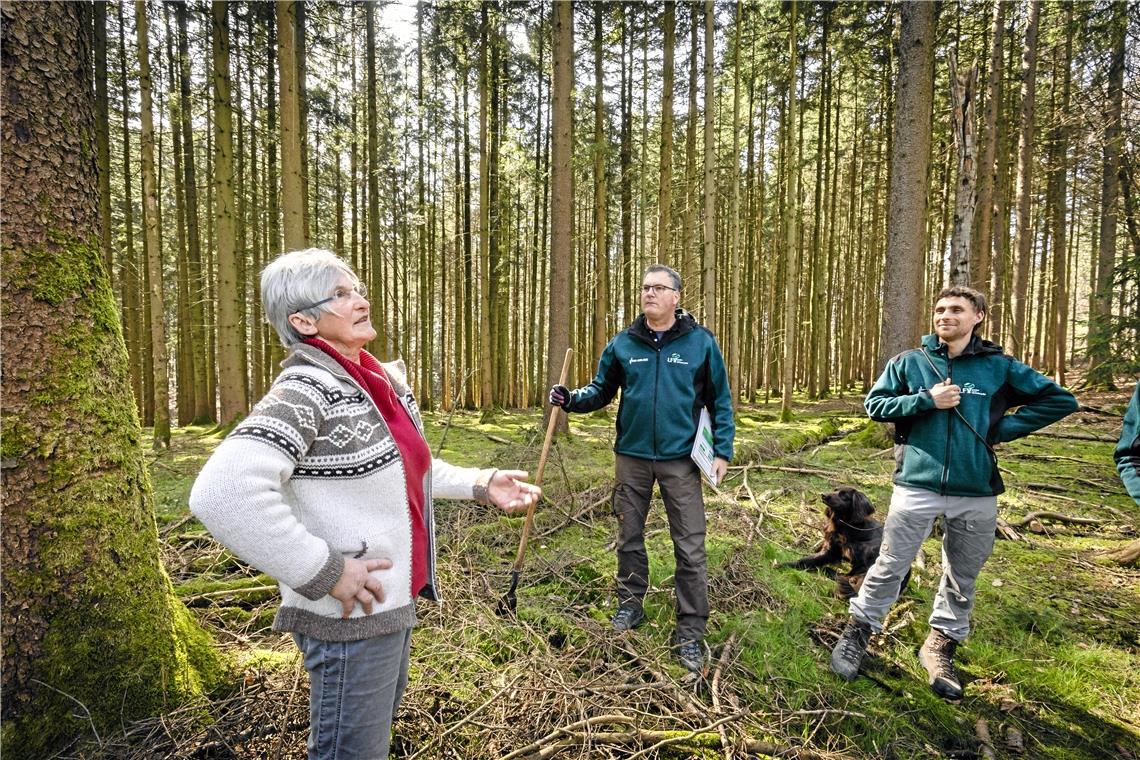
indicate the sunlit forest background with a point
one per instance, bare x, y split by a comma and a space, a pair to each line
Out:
747, 145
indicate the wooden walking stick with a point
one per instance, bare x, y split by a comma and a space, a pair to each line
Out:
509, 601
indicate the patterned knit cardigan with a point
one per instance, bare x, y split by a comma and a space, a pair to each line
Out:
313, 476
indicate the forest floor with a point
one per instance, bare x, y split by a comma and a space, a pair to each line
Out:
1052, 669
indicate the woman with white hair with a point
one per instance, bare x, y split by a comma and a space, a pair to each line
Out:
327, 486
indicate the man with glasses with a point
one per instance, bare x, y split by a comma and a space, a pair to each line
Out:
668, 368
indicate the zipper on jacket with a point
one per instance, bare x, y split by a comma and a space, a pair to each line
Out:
656, 382
949, 422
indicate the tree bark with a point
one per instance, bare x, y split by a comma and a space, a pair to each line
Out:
153, 240
292, 183
708, 263
791, 226
983, 230
665, 177
82, 577
562, 202
962, 98
1023, 247
601, 257
1100, 322
1058, 182
909, 168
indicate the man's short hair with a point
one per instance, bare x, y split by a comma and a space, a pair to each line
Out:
976, 297
667, 270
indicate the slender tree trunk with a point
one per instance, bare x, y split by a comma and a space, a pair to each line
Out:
601, 258
734, 281
791, 226
374, 253
103, 138
910, 163
1023, 247
983, 230
562, 202
231, 374
486, 368
82, 582
665, 183
153, 240
1058, 182
708, 264
690, 259
1100, 322
292, 168
962, 92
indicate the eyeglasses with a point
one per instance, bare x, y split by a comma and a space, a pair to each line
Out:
657, 289
339, 296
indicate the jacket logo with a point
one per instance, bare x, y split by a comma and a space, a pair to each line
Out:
675, 358
969, 389
638, 360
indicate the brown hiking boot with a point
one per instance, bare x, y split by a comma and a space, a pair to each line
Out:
937, 656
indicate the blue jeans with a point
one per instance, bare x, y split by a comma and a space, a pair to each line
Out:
355, 690
968, 525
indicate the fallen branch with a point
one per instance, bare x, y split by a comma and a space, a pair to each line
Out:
982, 729
227, 592
715, 692
668, 741
564, 730
1055, 517
1126, 555
794, 470
1073, 436
466, 719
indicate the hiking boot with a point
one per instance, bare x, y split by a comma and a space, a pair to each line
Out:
691, 655
850, 648
627, 617
937, 656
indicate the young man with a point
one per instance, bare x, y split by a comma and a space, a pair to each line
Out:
948, 400
667, 367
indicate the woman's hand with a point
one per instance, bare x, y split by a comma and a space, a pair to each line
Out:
356, 584
509, 490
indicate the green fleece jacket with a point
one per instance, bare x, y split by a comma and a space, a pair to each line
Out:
1127, 454
664, 384
936, 450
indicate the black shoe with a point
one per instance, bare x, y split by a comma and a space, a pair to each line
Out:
849, 650
627, 617
691, 655
937, 656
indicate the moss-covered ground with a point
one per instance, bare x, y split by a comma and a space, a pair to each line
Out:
1053, 665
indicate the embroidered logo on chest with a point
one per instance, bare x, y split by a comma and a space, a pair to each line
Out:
969, 389
675, 358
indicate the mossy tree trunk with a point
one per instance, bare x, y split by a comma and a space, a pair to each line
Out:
82, 579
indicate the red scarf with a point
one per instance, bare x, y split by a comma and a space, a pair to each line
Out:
414, 452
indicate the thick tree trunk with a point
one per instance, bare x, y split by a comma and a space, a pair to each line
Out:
154, 242
1023, 246
910, 163
562, 201
82, 578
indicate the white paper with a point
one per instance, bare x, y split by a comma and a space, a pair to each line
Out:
703, 453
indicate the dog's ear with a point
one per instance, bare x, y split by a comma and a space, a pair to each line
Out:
860, 504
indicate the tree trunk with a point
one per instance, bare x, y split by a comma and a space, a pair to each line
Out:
601, 258
665, 177
1023, 246
1058, 182
983, 230
103, 138
735, 347
231, 372
374, 253
1100, 322
689, 259
962, 98
910, 165
708, 264
82, 577
562, 201
292, 184
791, 227
486, 367
153, 241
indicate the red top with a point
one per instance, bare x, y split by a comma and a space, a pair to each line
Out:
414, 452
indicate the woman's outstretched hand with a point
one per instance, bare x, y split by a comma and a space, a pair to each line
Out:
509, 490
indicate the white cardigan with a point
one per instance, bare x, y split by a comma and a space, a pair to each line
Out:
313, 476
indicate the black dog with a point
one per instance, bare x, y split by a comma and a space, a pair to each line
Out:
850, 534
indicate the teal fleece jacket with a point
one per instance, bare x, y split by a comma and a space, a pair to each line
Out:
935, 448
663, 386
1127, 454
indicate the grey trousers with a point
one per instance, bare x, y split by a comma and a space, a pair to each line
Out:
355, 691
968, 524
680, 483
